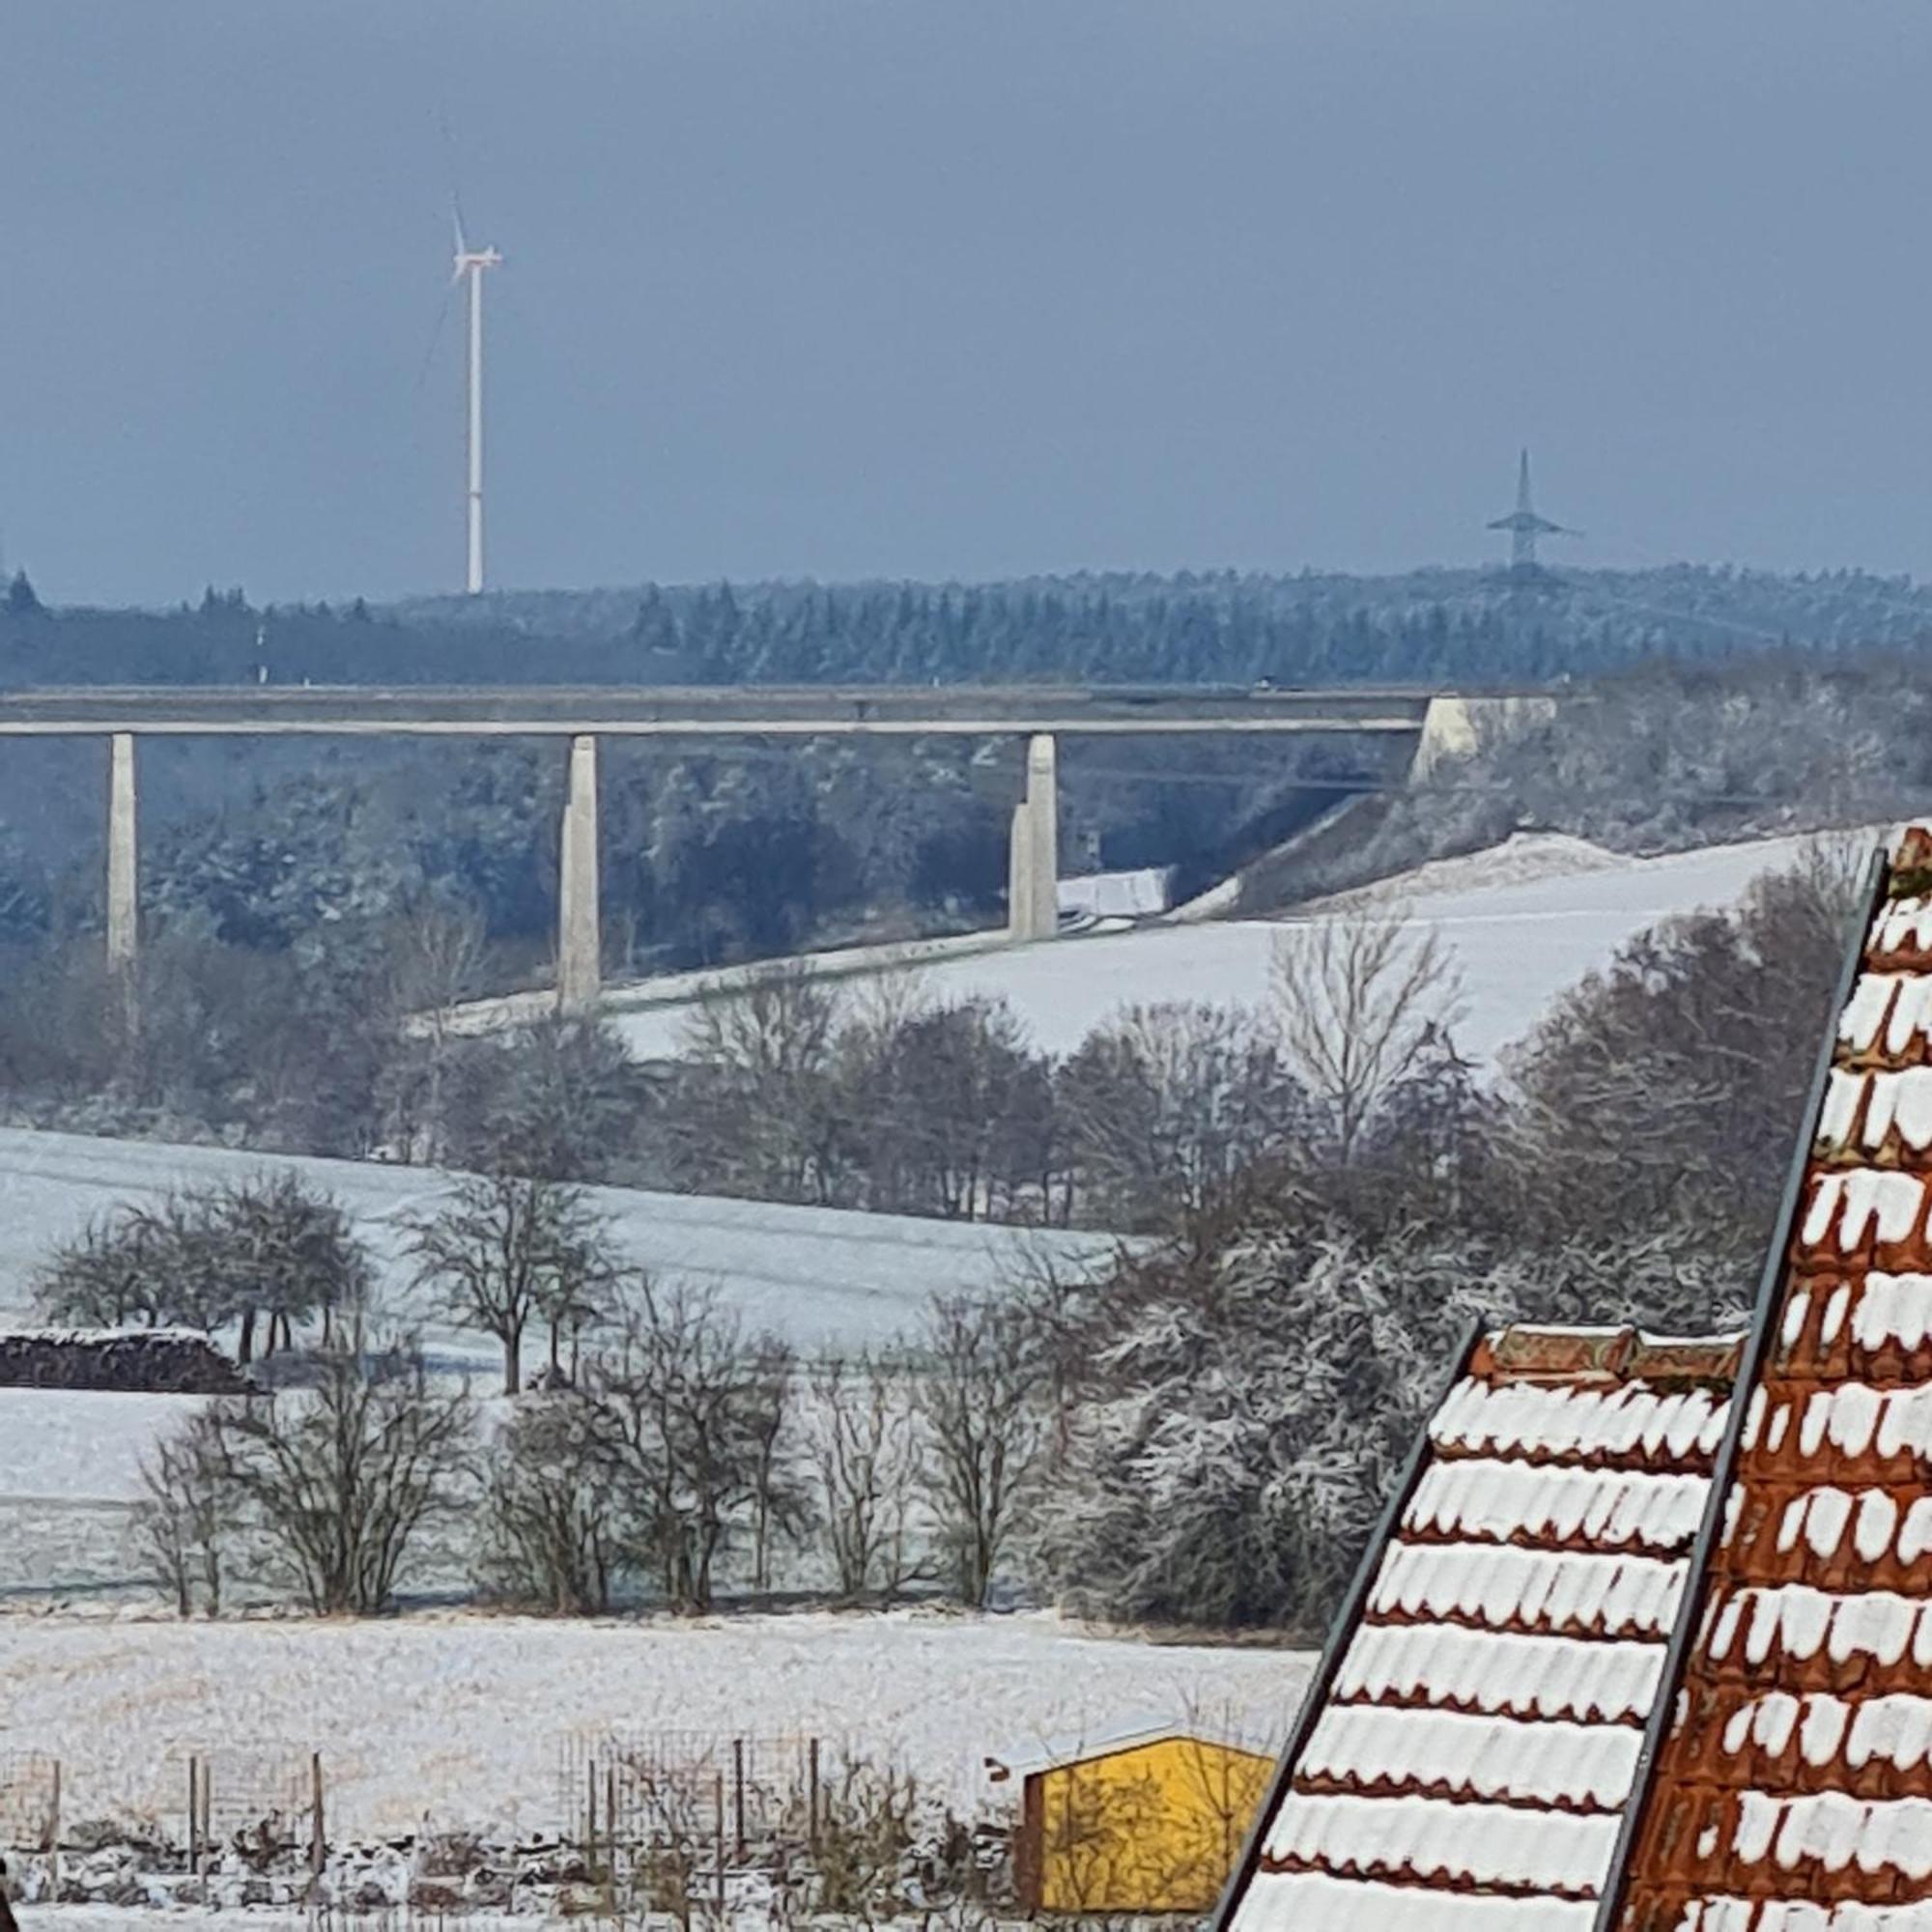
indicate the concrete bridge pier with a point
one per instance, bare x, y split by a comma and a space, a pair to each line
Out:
579, 969
123, 860
1033, 861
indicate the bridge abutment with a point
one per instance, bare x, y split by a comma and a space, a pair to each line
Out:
1454, 728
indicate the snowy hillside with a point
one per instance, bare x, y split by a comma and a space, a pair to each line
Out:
821, 1277
1523, 920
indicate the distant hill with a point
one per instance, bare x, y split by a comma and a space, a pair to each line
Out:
1461, 626
1472, 626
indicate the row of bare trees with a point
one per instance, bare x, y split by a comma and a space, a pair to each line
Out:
665, 1452
688, 1449
687, 1461
795, 1090
262, 1254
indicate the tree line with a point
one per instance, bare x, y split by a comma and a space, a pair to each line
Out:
1217, 626
667, 1455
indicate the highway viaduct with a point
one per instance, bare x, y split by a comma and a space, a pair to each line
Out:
1438, 722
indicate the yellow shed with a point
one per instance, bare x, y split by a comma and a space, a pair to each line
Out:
1149, 1818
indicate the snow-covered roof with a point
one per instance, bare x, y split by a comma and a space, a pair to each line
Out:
1471, 1763
1049, 1753
1480, 1740
1795, 1790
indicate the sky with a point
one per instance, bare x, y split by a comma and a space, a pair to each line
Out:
863, 288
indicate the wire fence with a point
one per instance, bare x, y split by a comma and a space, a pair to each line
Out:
30, 1801
266, 1801
626, 1796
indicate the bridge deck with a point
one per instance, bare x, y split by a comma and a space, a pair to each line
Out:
735, 711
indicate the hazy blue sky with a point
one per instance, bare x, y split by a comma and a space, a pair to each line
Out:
857, 287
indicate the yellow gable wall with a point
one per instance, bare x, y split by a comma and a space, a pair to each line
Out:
1156, 1828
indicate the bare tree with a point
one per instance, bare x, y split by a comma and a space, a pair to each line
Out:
434, 961
699, 1419
980, 1399
107, 1276
504, 1250
552, 1514
1357, 1001
1166, 1105
1654, 1095
777, 1502
554, 1100
271, 1245
183, 1520
341, 1481
864, 1458
759, 1116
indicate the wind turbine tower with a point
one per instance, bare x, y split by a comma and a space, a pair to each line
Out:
471, 262
1524, 526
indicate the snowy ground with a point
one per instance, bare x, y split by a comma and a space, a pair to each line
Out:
1523, 921
71, 1461
823, 1277
461, 1721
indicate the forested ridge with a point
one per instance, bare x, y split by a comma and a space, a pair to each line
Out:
1427, 626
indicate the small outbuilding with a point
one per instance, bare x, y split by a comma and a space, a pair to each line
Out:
1149, 1817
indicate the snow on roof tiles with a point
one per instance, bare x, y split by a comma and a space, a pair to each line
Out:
1316, 1902
1470, 1764
1794, 1791
1887, 1021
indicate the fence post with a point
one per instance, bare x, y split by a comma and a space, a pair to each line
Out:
207, 1806
610, 1817
590, 1813
54, 1835
812, 1795
718, 1817
318, 1843
193, 1815
738, 1793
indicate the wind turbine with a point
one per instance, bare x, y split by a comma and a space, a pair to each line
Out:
471, 262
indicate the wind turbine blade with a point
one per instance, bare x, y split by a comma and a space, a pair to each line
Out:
435, 336
449, 161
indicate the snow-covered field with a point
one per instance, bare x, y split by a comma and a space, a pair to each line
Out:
1523, 921
822, 1277
461, 1721
70, 1462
